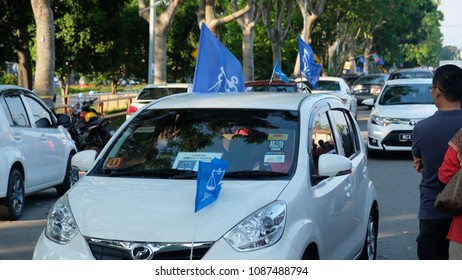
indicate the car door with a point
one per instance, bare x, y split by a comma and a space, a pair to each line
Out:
329, 197
51, 139
25, 138
352, 193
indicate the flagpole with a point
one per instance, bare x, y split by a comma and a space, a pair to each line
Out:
272, 74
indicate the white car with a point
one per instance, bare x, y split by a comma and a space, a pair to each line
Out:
35, 150
338, 86
155, 91
399, 107
282, 196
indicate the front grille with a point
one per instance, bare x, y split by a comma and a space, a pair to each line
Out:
123, 250
392, 139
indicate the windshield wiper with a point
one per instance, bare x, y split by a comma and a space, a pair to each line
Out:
155, 173
254, 174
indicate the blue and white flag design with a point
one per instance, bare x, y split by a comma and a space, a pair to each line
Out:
279, 72
308, 67
209, 178
217, 69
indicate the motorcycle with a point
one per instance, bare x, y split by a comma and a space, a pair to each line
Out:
89, 130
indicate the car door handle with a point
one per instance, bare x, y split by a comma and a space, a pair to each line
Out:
348, 189
17, 138
43, 138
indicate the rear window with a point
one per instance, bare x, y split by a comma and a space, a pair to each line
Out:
328, 85
371, 80
155, 93
411, 74
274, 88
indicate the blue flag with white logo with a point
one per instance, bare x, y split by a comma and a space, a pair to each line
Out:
209, 178
308, 66
279, 72
217, 69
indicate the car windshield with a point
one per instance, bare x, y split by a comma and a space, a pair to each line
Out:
158, 92
328, 85
406, 94
371, 79
169, 143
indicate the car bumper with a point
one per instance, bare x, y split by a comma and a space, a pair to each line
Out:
78, 249
389, 138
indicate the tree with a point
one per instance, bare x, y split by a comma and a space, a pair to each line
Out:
45, 37
163, 23
247, 23
276, 20
206, 14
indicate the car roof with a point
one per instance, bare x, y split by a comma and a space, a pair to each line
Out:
169, 85
248, 100
409, 81
5, 87
411, 70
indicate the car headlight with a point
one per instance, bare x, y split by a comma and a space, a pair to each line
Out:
61, 226
261, 229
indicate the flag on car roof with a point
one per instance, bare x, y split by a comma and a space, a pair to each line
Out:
217, 69
279, 72
209, 178
308, 66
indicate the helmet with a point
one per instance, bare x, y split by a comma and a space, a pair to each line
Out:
89, 116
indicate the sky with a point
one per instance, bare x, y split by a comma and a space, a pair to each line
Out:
451, 27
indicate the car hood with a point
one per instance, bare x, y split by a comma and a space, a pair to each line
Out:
157, 210
414, 111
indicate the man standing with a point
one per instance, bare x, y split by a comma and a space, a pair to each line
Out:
429, 144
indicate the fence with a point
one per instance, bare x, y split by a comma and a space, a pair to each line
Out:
105, 103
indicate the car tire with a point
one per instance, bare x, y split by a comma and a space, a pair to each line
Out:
369, 251
71, 177
12, 206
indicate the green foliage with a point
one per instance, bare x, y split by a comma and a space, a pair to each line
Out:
8, 79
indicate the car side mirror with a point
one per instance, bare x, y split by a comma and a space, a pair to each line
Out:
64, 120
84, 160
369, 102
333, 165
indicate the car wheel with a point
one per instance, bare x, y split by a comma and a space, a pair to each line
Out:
369, 251
71, 177
12, 206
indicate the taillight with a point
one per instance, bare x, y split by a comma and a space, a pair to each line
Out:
132, 109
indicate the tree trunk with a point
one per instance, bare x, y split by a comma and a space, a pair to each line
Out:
24, 60
45, 64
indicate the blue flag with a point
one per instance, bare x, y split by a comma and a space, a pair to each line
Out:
308, 67
209, 178
279, 72
362, 59
217, 69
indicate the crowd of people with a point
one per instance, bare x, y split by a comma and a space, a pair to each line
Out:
437, 153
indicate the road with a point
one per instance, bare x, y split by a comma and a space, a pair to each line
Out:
393, 175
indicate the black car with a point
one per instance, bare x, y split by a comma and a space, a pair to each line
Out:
368, 86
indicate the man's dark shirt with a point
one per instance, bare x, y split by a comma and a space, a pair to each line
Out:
430, 139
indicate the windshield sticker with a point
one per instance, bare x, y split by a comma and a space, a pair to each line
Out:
278, 136
274, 158
114, 163
276, 145
190, 161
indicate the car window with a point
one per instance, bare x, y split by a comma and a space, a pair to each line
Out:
328, 85
155, 93
410, 75
372, 79
170, 143
406, 94
273, 88
15, 111
322, 139
40, 115
346, 132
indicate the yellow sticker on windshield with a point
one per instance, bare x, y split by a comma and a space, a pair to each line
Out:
278, 136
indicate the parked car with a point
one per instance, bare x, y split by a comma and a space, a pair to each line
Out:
368, 86
275, 86
337, 86
282, 196
155, 91
35, 149
411, 73
400, 106
350, 78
